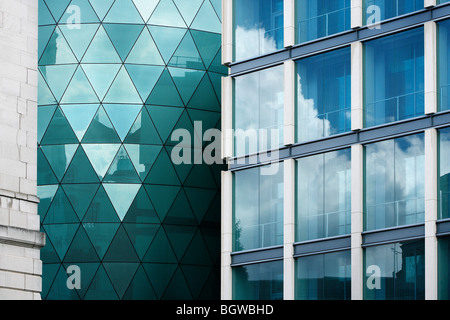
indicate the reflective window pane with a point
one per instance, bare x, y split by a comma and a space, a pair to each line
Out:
258, 208
394, 183
443, 69
323, 95
377, 10
323, 195
323, 277
444, 173
258, 27
395, 271
444, 268
262, 281
320, 18
394, 77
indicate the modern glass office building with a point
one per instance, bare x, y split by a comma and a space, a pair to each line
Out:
350, 199
116, 79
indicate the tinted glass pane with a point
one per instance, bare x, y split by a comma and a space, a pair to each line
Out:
443, 268
444, 173
258, 27
443, 65
323, 277
320, 18
385, 9
258, 281
323, 195
395, 271
323, 95
394, 77
394, 183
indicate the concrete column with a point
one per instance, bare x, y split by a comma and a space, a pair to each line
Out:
289, 103
226, 286
289, 229
289, 23
357, 85
430, 66
431, 205
357, 152
429, 3
227, 117
356, 12
227, 31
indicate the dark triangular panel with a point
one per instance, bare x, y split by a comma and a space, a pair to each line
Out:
45, 174
46, 195
121, 249
164, 119
80, 170
144, 78
80, 196
101, 235
81, 249
165, 92
162, 171
59, 289
204, 97
143, 157
141, 210
167, 39
186, 81
121, 275
123, 36
141, 235
197, 253
177, 289
60, 211
61, 236
196, 278
101, 129
59, 131
200, 201
88, 271
208, 45
180, 237
101, 7
160, 251
140, 287
201, 177
143, 131
187, 55
180, 213
162, 197
160, 275
45, 114
101, 287
49, 270
101, 210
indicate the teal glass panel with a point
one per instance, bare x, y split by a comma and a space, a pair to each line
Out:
45, 174
45, 114
444, 173
101, 7
143, 131
207, 19
258, 27
122, 169
80, 169
101, 129
443, 268
81, 249
395, 271
141, 235
187, 55
101, 235
45, 17
123, 37
80, 117
262, 281
123, 11
57, 7
323, 201
58, 77
100, 210
442, 1
121, 275
167, 14
377, 10
443, 65
188, 9
323, 277
101, 49
394, 77
59, 131
121, 196
122, 117
79, 90
259, 102
316, 19
79, 39
258, 208
59, 157
324, 95
122, 90
394, 183
57, 50
101, 156
45, 194
75, 8
143, 157
144, 78
101, 76
80, 196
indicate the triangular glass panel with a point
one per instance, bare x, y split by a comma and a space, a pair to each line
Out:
164, 119
100, 211
145, 51
200, 201
167, 14
79, 90
81, 249
186, 81
123, 11
160, 250
57, 50
79, 117
201, 177
79, 39
121, 275
101, 129
58, 77
140, 287
121, 249
209, 120
182, 169
122, 90
180, 237
144, 78
145, 7
141, 235
141, 210
101, 235
165, 92
101, 76
57, 7
59, 131
101, 7
101, 49
123, 36
83, 11
45, 174
180, 213
45, 96
184, 123
177, 288
208, 45
45, 194
167, 39
101, 156
48, 253
80, 170
60, 210
61, 236
187, 55
143, 131
216, 82
207, 19
122, 117
122, 170
45, 32
80, 196
50, 270
121, 196
59, 157
101, 287
197, 253
45, 17
211, 236
88, 272
160, 275
204, 97
143, 157
217, 5
59, 290
162, 198
196, 277
162, 171
188, 9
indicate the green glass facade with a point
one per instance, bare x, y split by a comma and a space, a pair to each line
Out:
116, 78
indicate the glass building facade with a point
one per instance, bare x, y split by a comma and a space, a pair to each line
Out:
116, 79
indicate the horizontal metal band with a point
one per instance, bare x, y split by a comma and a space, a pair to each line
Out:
322, 246
256, 256
393, 235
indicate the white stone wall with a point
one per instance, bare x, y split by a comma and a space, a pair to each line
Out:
20, 239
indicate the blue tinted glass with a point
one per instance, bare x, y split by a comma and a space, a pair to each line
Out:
377, 10
320, 18
443, 65
258, 27
444, 173
394, 77
323, 95
443, 268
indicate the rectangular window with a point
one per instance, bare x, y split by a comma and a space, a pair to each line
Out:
444, 173
261, 281
258, 209
258, 27
324, 95
394, 183
377, 10
394, 77
323, 195
320, 18
395, 271
258, 111
443, 54
323, 277
444, 268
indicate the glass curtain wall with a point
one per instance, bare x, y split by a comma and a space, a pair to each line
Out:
443, 69
386, 9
